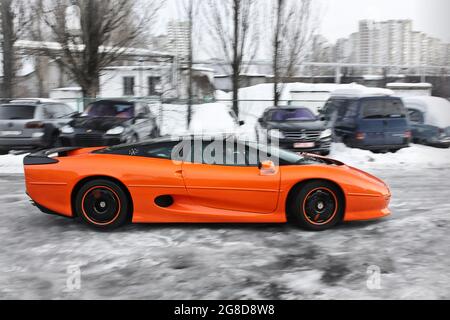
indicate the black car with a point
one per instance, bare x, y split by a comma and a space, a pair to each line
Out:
296, 129
110, 122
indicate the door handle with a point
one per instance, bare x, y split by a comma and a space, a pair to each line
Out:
179, 173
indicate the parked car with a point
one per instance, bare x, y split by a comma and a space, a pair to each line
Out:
372, 122
32, 123
297, 129
145, 185
110, 122
430, 120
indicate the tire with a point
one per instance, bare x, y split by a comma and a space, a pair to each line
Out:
394, 150
317, 206
102, 204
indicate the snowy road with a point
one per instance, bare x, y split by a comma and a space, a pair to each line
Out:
231, 262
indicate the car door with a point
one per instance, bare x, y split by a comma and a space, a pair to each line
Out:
234, 185
142, 122
372, 121
396, 123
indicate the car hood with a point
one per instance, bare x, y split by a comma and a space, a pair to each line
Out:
298, 125
98, 124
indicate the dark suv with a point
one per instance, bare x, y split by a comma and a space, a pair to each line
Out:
376, 123
296, 129
110, 122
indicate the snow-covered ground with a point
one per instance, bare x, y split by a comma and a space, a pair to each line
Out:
410, 249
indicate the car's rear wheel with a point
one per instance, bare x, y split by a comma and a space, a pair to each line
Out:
102, 204
317, 206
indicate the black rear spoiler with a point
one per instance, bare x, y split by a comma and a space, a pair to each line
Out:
42, 157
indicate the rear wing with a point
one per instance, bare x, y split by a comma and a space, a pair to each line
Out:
47, 156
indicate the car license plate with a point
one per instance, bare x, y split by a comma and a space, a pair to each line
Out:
304, 145
10, 133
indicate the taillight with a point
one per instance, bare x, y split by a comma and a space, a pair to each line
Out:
360, 136
408, 135
35, 125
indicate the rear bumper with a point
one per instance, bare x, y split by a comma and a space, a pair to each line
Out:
21, 143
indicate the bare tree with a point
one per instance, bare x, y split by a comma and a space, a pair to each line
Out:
106, 29
233, 25
190, 11
13, 23
292, 33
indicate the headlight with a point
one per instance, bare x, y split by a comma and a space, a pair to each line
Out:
326, 134
276, 134
67, 130
116, 131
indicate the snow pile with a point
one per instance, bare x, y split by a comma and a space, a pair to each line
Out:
10, 164
207, 118
417, 156
212, 118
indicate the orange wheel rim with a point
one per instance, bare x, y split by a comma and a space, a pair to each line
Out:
101, 205
320, 206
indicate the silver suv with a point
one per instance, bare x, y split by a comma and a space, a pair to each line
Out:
32, 123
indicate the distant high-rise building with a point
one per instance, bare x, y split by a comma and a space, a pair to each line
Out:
178, 38
390, 43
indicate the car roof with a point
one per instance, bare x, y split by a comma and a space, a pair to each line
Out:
113, 101
287, 107
34, 101
25, 104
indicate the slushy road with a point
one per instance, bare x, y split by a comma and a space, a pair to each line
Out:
411, 249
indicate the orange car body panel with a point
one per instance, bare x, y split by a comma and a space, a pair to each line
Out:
202, 193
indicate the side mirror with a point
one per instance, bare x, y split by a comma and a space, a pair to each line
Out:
260, 120
141, 116
241, 123
267, 168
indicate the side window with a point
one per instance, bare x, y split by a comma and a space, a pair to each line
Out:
220, 153
158, 151
48, 112
415, 116
352, 110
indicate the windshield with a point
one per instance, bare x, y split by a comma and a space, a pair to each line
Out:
110, 109
376, 109
16, 112
294, 114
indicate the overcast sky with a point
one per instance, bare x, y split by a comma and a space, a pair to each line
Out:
339, 18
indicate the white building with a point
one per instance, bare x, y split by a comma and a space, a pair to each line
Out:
178, 38
132, 81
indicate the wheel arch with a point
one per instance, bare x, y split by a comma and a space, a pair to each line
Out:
302, 183
85, 180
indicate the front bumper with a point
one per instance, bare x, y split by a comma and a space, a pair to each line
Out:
87, 140
320, 146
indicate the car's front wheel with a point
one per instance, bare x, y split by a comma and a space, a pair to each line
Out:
102, 204
317, 206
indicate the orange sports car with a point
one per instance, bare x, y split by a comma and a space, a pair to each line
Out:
194, 180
